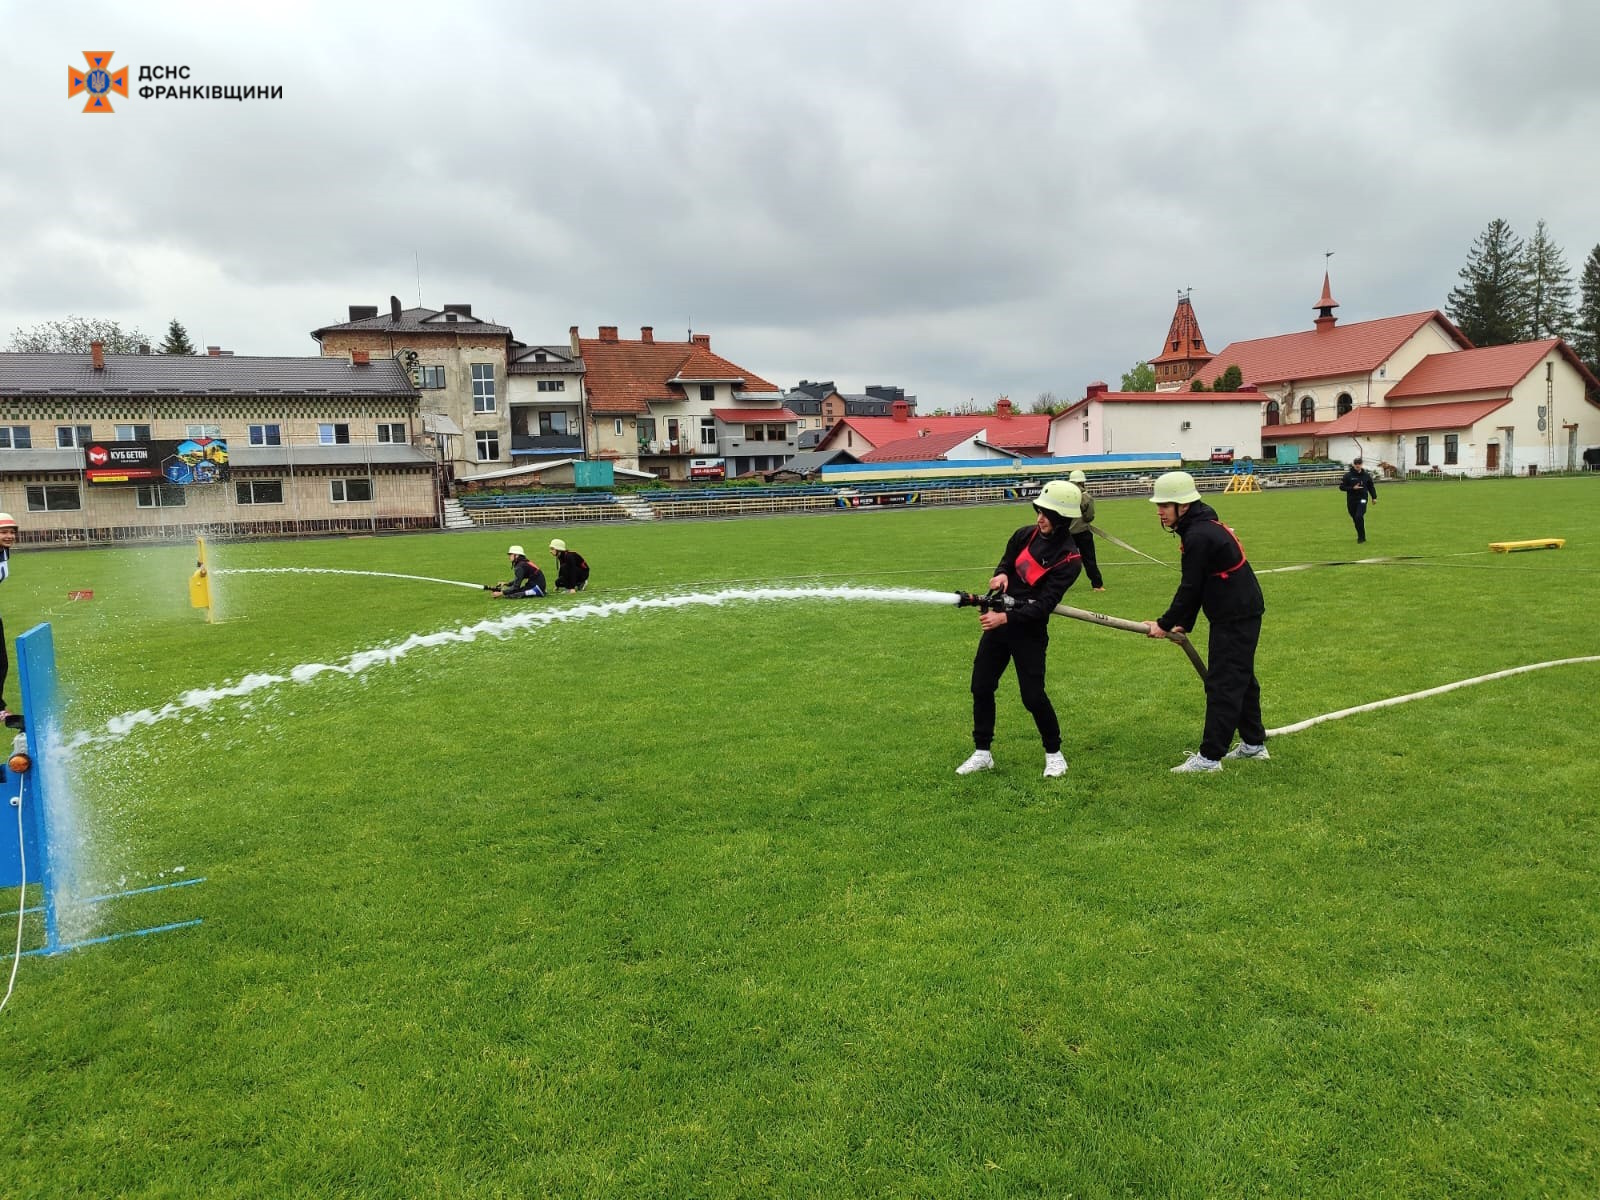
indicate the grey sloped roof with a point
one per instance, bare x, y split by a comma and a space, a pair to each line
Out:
198, 375
415, 320
559, 360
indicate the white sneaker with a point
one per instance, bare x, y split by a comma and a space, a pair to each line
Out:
1055, 765
1246, 750
1197, 762
981, 760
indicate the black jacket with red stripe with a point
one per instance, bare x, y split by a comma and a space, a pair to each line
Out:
1057, 555
1216, 575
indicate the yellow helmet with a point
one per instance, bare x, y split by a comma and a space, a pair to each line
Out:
1175, 487
1061, 498
1078, 477
557, 544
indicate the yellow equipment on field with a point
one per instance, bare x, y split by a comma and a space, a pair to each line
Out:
1529, 544
1242, 483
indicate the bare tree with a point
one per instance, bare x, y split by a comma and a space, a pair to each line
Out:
72, 335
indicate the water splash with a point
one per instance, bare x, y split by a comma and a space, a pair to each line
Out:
524, 619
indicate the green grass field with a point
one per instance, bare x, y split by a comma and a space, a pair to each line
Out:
690, 902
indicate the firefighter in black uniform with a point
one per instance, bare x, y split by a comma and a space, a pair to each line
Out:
526, 579
572, 573
1040, 563
1359, 489
1216, 578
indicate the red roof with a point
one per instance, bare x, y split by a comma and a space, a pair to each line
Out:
1019, 432
917, 448
1182, 396
1398, 418
1493, 368
1357, 349
754, 414
1184, 339
624, 377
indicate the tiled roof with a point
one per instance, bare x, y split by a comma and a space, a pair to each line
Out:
1397, 418
914, 449
1355, 349
753, 413
1182, 396
1492, 368
558, 360
198, 375
1184, 339
416, 320
1021, 431
625, 376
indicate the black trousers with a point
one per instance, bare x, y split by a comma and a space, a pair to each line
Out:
1233, 697
1091, 568
1358, 514
1024, 645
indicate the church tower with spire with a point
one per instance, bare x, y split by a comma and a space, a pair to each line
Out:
1325, 305
1184, 351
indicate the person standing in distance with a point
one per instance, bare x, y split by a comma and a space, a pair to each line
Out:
1040, 563
1359, 489
1218, 579
1083, 531
572, 573
8, 539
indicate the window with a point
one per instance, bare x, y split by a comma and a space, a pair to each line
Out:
708, 393
53, 497
1308, 409
266, 435
646, 427
202, 431
68, 436
1452, 449
755, 433
617, 427
429, 377
1422, 450
1345, 404
1274, 413
552, 423
259, 491
1086, 432
161, 495
552, 385
349, 491
777, 433
16, 437
392, 433
333, 435
482, 387
131, 433
488, 444
708, 431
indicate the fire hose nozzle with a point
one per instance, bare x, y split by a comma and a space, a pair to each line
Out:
995, 601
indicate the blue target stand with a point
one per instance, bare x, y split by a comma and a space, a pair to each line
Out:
29, 794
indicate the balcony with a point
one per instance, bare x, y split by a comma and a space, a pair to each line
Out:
546, 443
682, 448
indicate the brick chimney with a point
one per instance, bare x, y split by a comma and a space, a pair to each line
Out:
213, 351
97, 353
144, 347
608, 333
647, 333
701, 339
360, 358
1097, 388
1002, 408
900, 411
572, 337
363, 312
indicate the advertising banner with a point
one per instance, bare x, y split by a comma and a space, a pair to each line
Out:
180, 463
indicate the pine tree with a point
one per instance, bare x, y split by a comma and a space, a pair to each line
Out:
1586, 323
1490, 303
1231, 379
177, 340
1549, 287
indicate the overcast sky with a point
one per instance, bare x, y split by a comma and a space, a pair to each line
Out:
966, 200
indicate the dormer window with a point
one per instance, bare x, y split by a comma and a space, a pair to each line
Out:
451, 317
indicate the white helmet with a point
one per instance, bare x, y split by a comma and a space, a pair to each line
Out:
1078, 477
557, 544
515, 550
1061, 498
1175, 487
